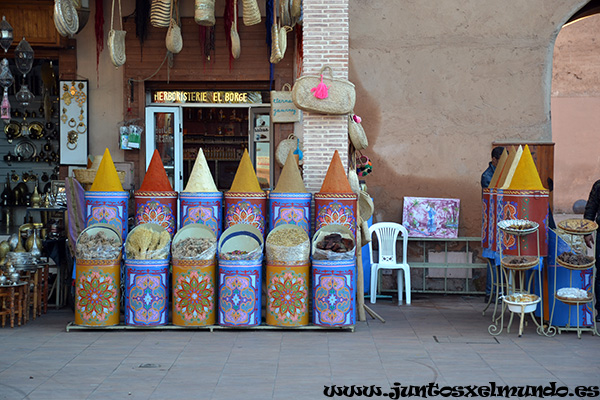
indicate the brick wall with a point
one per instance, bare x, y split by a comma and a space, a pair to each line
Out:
325, 42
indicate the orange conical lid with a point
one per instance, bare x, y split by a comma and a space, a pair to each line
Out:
290, 180
245, 180
156, 179
336, 180
526, 176
201, 179
107, 178
499, 167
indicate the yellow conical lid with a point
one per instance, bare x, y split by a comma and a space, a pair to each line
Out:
510, 168
245, 180
499, 168
290, 180
336, 180
201, 179
526, 176
107, 178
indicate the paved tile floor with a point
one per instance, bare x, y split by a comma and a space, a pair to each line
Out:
441, 339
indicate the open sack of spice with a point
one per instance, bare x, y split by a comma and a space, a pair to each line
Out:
288, 244
333, 242
99, 242
241, 242
194, 242
148, 242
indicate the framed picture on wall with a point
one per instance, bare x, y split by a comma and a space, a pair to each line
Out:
73, 120
431, 217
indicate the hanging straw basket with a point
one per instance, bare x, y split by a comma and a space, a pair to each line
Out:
204, 12
86, 177
250, 12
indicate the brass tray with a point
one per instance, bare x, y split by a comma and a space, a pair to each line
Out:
529, 262
36, 130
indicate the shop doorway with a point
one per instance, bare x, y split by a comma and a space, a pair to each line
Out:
222, 131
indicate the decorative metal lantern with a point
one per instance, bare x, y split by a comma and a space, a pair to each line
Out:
6, 77
6, 34
24, 57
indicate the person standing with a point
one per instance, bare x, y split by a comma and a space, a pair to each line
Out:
592, 213
486, 178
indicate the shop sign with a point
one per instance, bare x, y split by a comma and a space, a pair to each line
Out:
212, 97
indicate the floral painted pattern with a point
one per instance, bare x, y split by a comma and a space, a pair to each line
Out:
244, 212
336, 213
193, 296
96, 296
158, 213
148, 299
333, 300
202, 215
237, 300
288, 294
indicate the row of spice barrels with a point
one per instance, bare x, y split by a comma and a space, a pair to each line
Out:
207, 209
198, 284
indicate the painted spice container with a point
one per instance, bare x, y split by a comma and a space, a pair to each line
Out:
201, 202
524, 197
240, 252
156, 202
289, 202
336, 203
288, 276
246, 202
98, 276
194, 268
146, 275
106, 201
334, 277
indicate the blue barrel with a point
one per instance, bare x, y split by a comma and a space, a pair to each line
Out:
290, 208
202, 208
240, 292
334, 292
146, 292
107, 208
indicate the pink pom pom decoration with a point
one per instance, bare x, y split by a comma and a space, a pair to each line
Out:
321, 90
357, 119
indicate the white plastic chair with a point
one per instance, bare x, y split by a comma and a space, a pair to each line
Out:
387, 234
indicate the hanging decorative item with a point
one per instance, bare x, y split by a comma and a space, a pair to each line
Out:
356, 133
228, 22
276, 54
174, 40
66, 18
116, 39
74, 122
330, 95
363, 165
250, 12
99, 30
235, 37
160, 13
282, 106
204, 12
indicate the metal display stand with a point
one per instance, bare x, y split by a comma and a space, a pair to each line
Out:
591, 299
517, 284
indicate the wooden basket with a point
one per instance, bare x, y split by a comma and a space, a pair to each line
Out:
86, 177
